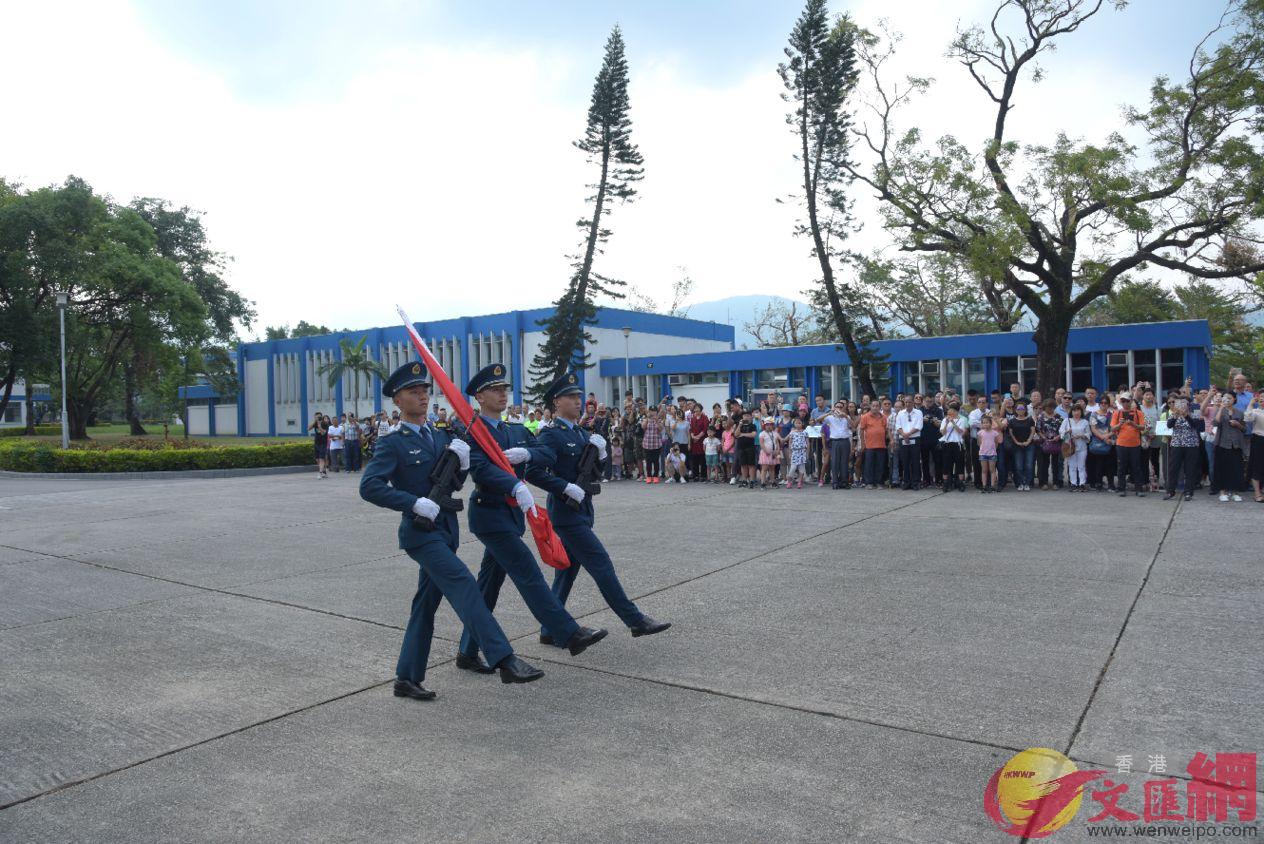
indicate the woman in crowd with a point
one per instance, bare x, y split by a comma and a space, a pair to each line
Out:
1075, 430
652, 445
1230, 439
952, 432
320, 442
1150, 444
1184, 459
1254, 418
1101, 448
1020, 434
1049, 436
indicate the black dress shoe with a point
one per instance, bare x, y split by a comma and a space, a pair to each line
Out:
514, 670
584, 637
546, 639
473, 663
407, 688
648, 627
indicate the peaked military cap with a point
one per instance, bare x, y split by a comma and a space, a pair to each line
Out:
408, 375
567, 385
495, 375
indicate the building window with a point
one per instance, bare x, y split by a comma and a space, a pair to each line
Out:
1144, 367
1173, 372
1081, 372
1116, 371
931, 380
952, 376
1027, 373
1008, 373
880, 374
770, 379
825, 383
12, 413
976, 375
910, 382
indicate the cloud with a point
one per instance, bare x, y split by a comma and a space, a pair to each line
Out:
440, 173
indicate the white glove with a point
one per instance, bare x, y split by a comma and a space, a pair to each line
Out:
462, 451
575, 492
599, 441
526, 501
517, 455
426, 508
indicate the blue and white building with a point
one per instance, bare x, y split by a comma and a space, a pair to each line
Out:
281, 387
15, 411
1163, 353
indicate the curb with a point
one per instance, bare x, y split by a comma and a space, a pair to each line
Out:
152, 476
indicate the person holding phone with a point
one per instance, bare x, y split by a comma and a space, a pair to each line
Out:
1229, 439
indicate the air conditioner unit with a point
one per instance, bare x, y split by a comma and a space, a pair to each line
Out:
676, 380
1116, 358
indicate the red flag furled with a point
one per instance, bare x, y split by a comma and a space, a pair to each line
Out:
546, 539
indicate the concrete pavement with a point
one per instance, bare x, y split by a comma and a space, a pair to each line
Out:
210, 660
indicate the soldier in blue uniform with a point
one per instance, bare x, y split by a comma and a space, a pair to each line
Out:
398, 478
500, 527
565, 440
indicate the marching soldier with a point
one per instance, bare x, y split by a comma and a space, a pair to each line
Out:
500, 527
566, 441
398, 478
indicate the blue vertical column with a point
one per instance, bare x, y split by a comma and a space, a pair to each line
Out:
515, 356
1098, 362
376, 340
210, 416
302, 385
241, 391
991, 374
338, 386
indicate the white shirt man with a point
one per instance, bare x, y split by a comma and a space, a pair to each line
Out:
908, 423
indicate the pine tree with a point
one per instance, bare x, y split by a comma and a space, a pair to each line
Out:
607, 143
819, 75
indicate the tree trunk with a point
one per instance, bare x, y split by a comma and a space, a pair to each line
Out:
129, 400
1051, 345
30, 411
9, 378
78, 422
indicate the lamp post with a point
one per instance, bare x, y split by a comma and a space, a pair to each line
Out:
63, 299
627, 378
184, 361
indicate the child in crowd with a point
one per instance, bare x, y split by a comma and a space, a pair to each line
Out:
769, 455
798, 454
989, 439
728, 456
675, 469
616, 457
711, 449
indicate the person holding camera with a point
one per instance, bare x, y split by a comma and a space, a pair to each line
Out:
1128, 425
1229, 437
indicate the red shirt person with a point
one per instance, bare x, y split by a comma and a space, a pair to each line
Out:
698, 424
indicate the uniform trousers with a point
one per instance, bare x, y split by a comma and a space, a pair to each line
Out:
441, 574
506, 553
586, 551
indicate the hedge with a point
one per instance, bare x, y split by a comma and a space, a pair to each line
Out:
40, 430
43, 457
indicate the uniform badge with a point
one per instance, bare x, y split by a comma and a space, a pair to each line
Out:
414, 451
572, 379
416, 369
500, 370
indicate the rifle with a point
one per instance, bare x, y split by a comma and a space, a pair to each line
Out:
589, 476
445, 479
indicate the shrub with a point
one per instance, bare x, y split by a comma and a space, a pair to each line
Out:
42, 457
40, 430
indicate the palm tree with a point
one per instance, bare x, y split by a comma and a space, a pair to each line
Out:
356, 362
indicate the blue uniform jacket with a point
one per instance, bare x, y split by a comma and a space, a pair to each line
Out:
566, 443
489, 511
399, 474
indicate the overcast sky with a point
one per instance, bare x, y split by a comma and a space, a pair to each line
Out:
349, 156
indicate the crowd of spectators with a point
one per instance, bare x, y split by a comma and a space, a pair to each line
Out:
1112, 441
